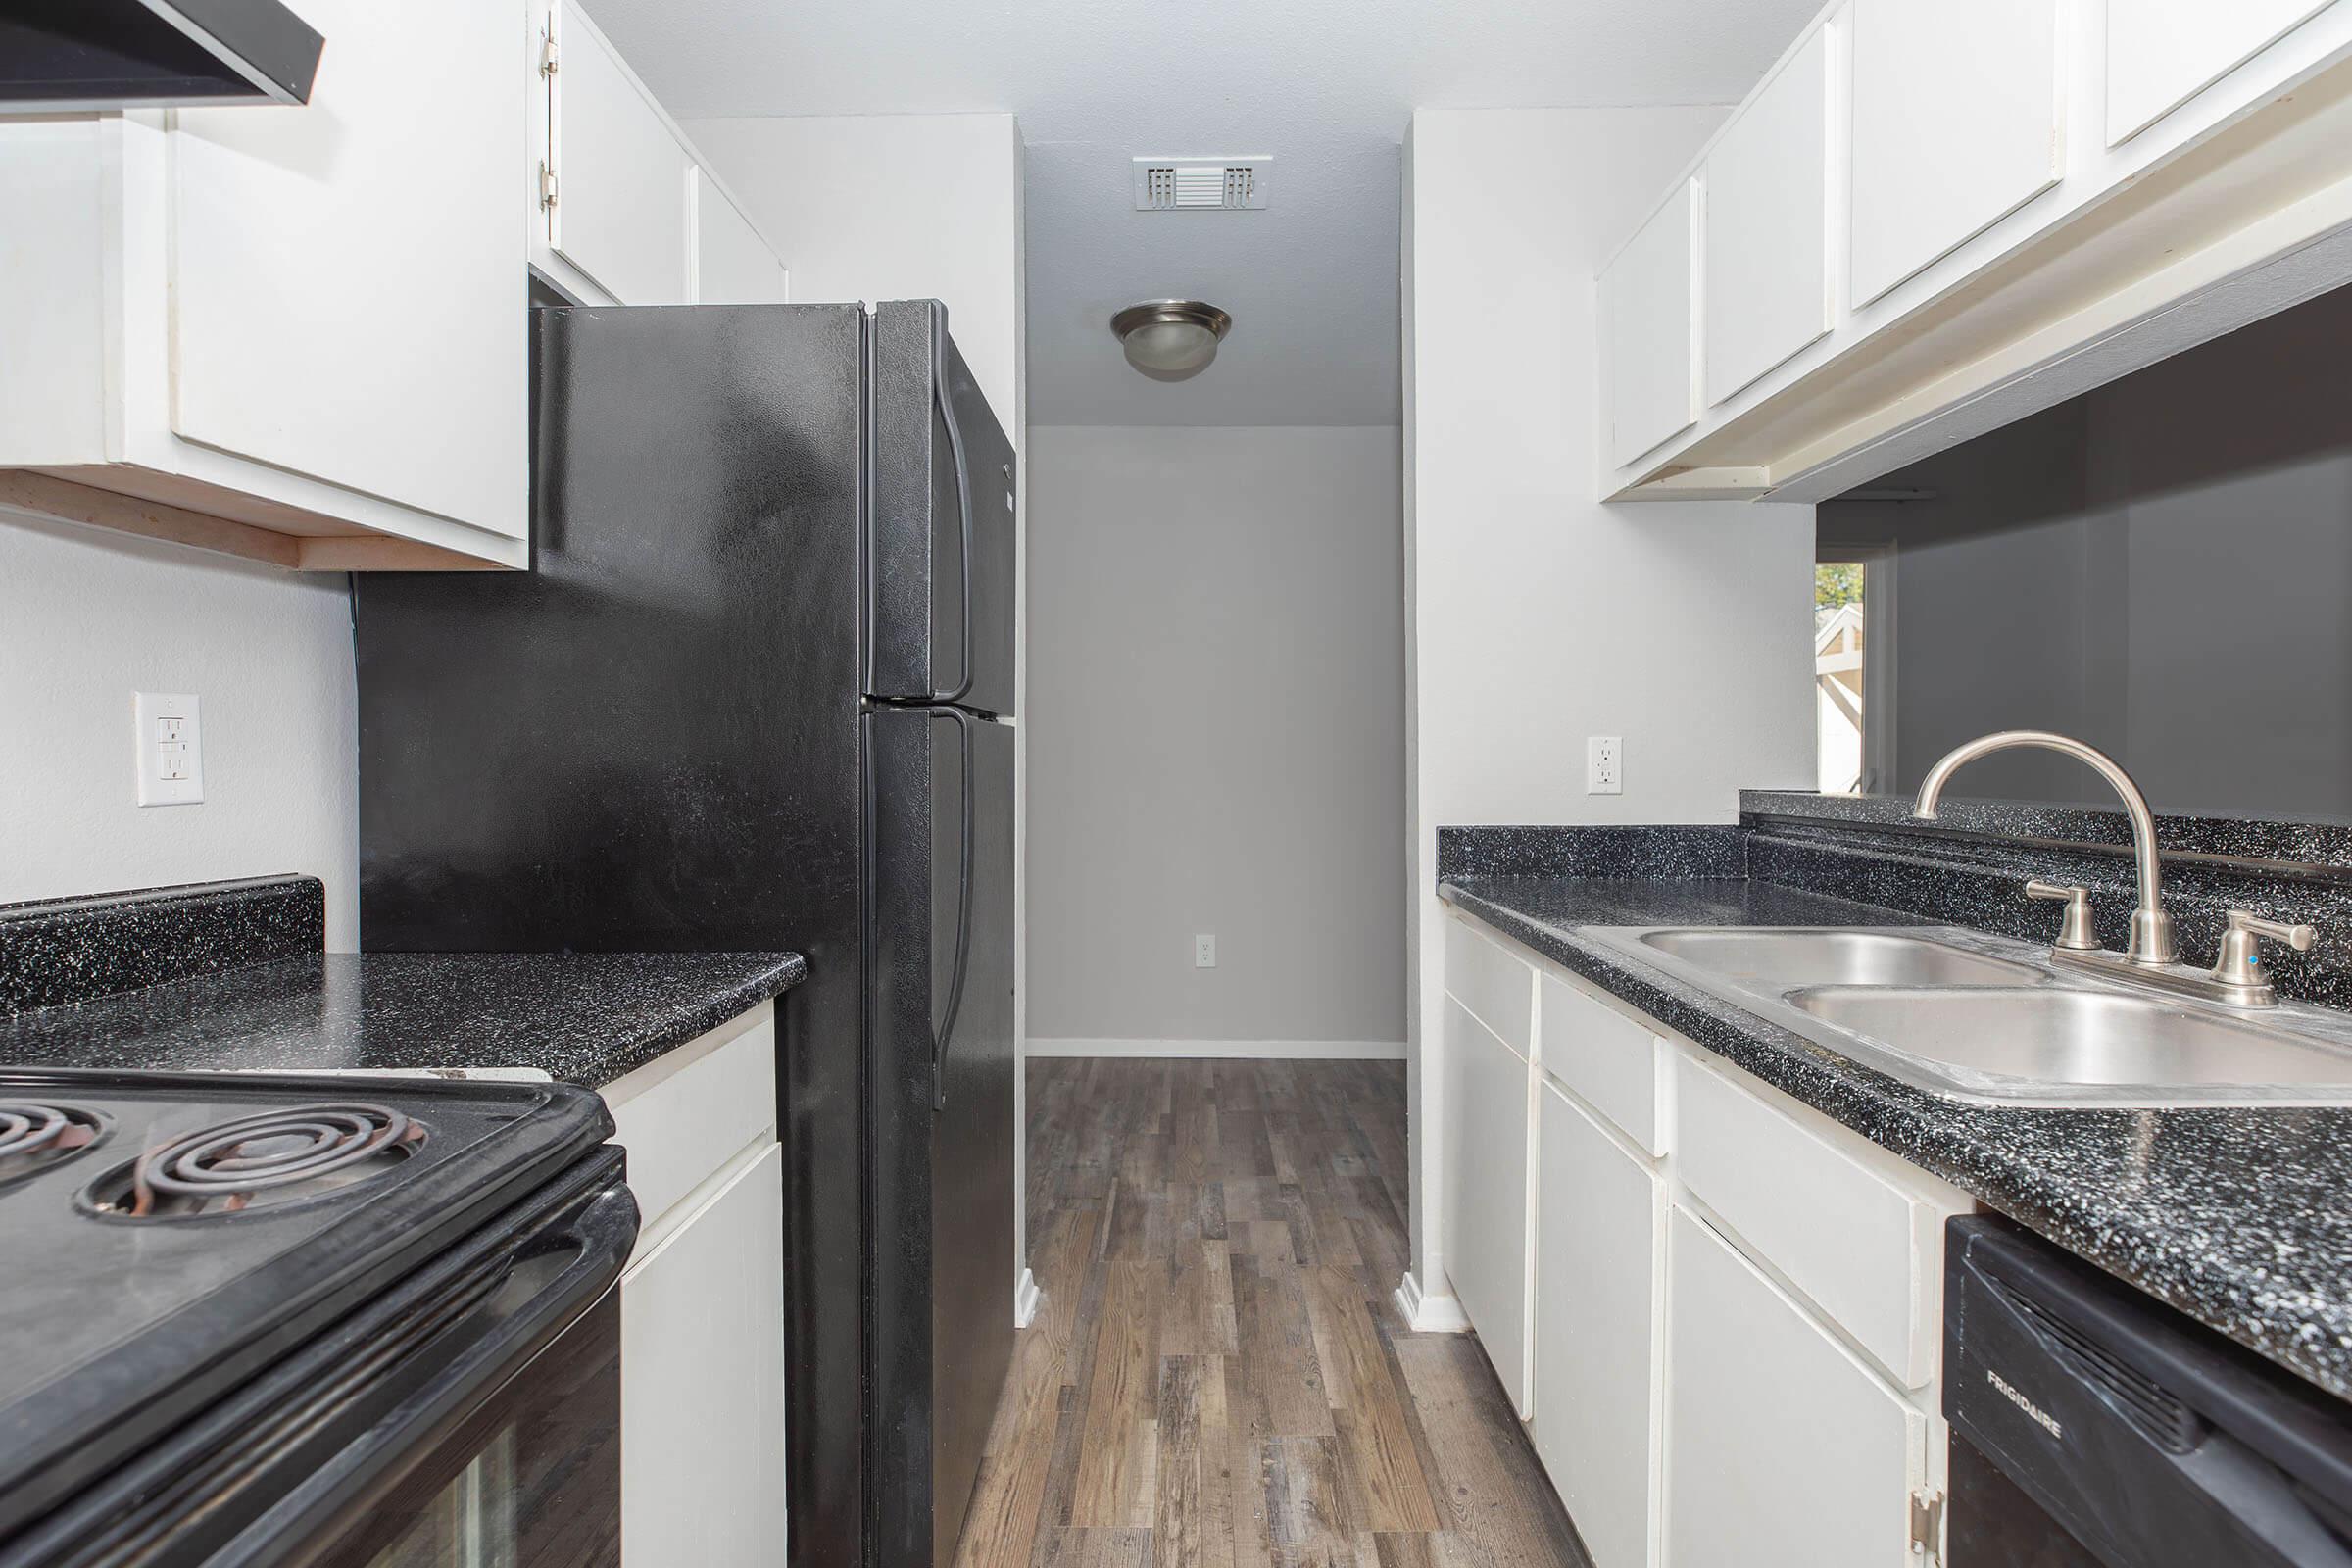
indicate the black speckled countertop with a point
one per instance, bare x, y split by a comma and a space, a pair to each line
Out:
583, 1018
2241, 1218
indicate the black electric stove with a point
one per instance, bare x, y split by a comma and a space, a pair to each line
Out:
244, 1316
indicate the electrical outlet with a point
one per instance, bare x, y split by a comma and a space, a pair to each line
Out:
169, 748
1205, 953
1604, 764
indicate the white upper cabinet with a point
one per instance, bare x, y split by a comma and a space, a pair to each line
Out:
1646, 305
732, 264
1955, 126
343, 283
616, 201
1935, 217
624, 210
2159, 53
290, 333
1768, 224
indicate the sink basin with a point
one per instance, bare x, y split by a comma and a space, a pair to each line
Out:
2056, 1045
1777, 958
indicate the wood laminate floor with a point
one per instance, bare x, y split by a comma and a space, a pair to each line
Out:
1217, 1375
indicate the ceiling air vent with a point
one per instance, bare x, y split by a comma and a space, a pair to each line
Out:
1201, 184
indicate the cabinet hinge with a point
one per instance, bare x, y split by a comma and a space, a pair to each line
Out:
1927, 1526
547, 186
547, 55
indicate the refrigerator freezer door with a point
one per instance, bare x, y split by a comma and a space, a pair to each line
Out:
942, 1118
942, 554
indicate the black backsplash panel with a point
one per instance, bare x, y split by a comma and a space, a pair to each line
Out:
1648, 851
61, 951
2311, 845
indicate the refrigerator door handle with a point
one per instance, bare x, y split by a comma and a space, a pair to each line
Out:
946, 399
946, 1035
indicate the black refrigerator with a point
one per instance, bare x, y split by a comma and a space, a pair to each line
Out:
755, 693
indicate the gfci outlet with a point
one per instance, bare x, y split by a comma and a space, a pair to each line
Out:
169, 748
1604, 764
1205, 953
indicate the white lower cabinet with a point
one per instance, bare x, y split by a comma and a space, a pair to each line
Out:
702, 1304
1487, 1087
1717, 1309
1601, 1226
1782, 1448
701, 1377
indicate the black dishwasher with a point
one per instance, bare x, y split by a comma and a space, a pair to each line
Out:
2094, 1427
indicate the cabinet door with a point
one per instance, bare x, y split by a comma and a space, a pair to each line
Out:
702, 1381
1783, 1449
2161, 53
1767, 226
1956, 127
1646, 308
732, 264
619, 213
344, 275
1600, 1228
1485, 1192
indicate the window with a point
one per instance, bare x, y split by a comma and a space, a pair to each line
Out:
1852, 696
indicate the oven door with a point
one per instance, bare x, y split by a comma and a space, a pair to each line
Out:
532, 1480
511, 1456
468, 1416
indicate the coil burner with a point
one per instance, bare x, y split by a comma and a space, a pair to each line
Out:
35, 1137
266, 1161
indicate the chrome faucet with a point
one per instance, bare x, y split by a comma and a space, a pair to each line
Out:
2151, 956
2151, 928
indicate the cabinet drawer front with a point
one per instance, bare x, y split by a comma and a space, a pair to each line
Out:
1495, 984
685, 1116
1783, 1449
1859, 1245
1610, 1060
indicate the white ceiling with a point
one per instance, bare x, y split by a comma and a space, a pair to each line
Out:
1326, 86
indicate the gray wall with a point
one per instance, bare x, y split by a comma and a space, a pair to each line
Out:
2162, 568
1216, 734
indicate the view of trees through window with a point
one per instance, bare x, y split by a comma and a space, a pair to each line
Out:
1838, 627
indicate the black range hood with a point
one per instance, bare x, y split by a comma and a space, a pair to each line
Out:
76, 54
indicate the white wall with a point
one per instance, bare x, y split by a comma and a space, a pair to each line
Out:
1216, 738
86, 618
1536, 616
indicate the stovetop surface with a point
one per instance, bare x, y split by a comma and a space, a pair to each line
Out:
114, 1322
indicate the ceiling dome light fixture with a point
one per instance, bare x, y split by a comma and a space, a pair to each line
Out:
1169, 340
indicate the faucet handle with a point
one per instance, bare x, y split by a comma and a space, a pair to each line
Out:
2074, 932
2241, 948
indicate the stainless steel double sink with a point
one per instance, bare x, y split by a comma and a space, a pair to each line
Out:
1977, 1018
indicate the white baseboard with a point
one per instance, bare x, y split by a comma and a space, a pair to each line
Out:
1025, 1296
1428, 1314
1276, 1049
